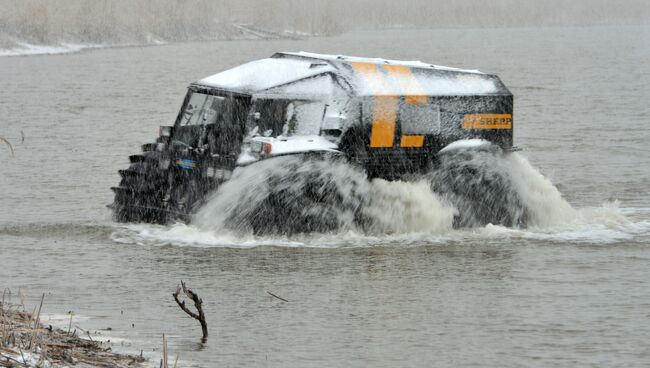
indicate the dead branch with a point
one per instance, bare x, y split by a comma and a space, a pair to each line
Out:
277, 297
10, 359
10, 146
165, 364
70, 325
198, 303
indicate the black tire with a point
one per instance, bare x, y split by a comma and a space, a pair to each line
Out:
477, 182
140, 196
302, 197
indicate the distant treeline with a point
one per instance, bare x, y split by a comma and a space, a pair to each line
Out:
111, 21
147, 21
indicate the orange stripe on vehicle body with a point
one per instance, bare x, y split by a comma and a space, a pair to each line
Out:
383, 123
386, 102
412, 91
416, 100
412, 141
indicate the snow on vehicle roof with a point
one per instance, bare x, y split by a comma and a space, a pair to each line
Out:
412, 64
364, 76
263, 74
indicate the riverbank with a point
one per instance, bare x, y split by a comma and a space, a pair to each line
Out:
26, 342
55, 26
11, 46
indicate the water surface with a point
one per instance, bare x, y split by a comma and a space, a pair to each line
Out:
573, 294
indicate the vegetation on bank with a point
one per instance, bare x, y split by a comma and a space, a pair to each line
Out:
107, 22
26, 342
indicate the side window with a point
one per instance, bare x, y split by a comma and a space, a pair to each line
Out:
203, 109
306, 118
419, 119
267, 118
278, 117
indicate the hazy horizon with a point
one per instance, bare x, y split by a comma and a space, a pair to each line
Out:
151, 21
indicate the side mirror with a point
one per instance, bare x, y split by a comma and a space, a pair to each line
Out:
166, 131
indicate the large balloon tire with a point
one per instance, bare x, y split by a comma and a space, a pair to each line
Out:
141, 191
314, 207
477, 183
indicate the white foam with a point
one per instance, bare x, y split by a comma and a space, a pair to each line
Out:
191, 235
591, 231
400, 214
544, 202
417, 227
465, 144
398, 207
593, 225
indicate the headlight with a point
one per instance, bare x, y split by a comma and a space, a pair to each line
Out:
267, 148
256, 146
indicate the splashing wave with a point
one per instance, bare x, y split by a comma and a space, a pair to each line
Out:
298, 202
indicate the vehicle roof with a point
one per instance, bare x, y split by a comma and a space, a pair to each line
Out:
358, 76
349, 59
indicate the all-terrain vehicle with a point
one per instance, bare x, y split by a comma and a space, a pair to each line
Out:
391, 118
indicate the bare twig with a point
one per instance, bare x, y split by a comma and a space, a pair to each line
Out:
38, 316
22, 300
43, 358
30, 317
275, 296
165, 365
2, 330
198, 303
10, 146
8, 358
70, 325
22, 355
37, 323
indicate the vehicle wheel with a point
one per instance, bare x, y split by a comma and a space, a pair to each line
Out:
477, 182
300, 195
141, 192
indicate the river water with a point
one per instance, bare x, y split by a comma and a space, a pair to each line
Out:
572, 291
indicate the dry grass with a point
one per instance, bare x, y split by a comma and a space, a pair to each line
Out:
25, 342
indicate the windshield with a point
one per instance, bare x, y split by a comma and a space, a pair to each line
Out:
203, 109
280, 117
211, 121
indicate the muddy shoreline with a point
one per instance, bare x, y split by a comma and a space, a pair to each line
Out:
26, 342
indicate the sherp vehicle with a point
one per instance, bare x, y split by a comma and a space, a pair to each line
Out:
389, 118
